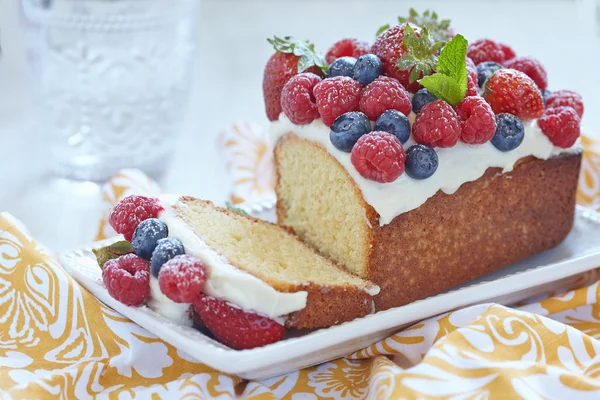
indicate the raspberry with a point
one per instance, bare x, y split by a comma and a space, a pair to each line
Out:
336, 96
130, 211
235, 327
472, 69
297, 100
488, 50
472, 88
565, 98
478, 123
560, 125
127, 279
383, 94
511, 91
347, 48
389, 47
530, 67
379, 156
437, 125
508, 51
182, 278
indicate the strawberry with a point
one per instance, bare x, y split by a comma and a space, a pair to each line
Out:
235, 327
291, 58
511, 91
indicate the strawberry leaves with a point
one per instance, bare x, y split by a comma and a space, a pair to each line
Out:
439, 30
421, 53
449, 83
305, 50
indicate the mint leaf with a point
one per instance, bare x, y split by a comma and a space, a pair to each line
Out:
443, 87
306, 51
453, 61
112, 251
238, 210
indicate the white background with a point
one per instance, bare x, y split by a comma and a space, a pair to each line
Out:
232, 51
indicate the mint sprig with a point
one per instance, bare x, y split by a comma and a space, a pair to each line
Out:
421, 53
449, 83
306, 51
233, 208
112, 251
439, 29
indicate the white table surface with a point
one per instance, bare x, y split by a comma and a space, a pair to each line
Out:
232, 51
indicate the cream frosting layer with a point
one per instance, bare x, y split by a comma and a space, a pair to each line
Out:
457, 165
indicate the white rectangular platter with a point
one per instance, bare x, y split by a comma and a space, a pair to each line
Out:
580, 252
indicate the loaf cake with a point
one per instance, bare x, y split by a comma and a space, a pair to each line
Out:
419, 169
243, 279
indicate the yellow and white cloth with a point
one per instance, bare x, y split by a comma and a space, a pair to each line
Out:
58, 341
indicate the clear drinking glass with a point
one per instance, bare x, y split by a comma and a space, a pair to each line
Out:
113, 81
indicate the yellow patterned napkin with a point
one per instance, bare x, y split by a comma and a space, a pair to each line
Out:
57, 341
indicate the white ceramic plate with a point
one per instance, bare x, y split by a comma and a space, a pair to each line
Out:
580, 252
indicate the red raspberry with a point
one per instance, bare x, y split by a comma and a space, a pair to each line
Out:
437, 125
235, 327
511, 91
530, 67
182, 278
472, 69
379, 156
297, 99
279, 69
488, 50
127, 279
508, 51
478, 123
472, 88
383, 94
347, 48
130, 211
561, 125
389, 47
565, 98
336, 96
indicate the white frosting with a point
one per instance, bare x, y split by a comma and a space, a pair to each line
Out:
457, 165
177, 312
225, 281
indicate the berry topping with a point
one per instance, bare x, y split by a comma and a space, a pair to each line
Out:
182, 278
530, 67
347, 129
127, 279
485, 70
379, 156
367, 69
291, 57
545, 94
130, 211
146, 235
343, 66
166, 249
561, 125
472, 88
477, 120
471, 69
488, 50
347, 48
384, 93
422, 97
235, 327
511, 91
421, 56
297, 100
336, 96
394, 122
437, 125
509, 132
566, 98
421, 161
389, 47
508, 51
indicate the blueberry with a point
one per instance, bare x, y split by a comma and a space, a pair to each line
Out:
146, 235
343, 66
509, 132
347, 129
166, 249
367, 69
421, 161
420, 99
545, 94
394, 122
485, 70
